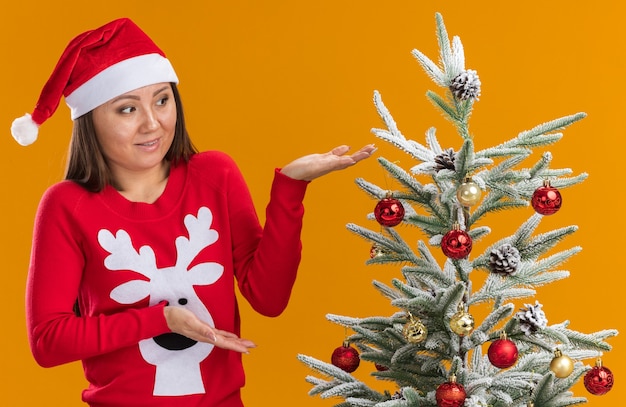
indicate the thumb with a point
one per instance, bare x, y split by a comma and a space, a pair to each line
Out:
340, 150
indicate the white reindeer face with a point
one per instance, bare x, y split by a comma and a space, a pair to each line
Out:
174, 285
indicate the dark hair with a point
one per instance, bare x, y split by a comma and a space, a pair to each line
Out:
86, 164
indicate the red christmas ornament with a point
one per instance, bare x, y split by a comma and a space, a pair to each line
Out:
450, 394
546, 200
346, 358
456, 244
380, 368
599, 380
502, 352
389, 211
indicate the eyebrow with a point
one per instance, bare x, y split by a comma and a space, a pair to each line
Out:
136, 97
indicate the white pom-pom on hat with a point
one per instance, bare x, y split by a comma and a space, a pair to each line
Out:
24, 130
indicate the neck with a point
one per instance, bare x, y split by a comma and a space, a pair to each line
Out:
144, 187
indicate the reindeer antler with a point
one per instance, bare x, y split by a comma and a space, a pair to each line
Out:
200, 236
124, 256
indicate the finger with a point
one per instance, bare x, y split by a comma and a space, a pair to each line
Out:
248, 343
235, 344
225, 334
199, 331
364, 153
340, 150
229, 340
368, 149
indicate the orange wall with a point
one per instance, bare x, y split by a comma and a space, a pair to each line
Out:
270, 81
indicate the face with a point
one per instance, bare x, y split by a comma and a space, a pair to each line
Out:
135, 130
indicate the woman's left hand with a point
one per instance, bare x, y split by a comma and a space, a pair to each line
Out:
312, 166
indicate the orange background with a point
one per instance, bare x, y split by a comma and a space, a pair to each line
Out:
270, 81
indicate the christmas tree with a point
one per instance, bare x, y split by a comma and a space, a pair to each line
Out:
432, 348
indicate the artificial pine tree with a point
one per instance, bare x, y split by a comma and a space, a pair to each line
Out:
432, 348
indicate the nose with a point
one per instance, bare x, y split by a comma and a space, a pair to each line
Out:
150, 120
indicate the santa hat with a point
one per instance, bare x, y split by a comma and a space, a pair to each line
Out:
96, 67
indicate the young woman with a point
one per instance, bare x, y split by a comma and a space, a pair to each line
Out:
136, 254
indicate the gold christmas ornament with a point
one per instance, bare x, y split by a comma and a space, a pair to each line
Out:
562, 365
377, 251
414, 331
462, 323
469, 193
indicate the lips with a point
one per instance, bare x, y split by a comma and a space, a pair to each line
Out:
148, 143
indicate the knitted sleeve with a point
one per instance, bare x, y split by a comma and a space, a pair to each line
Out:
266, 260
56, 334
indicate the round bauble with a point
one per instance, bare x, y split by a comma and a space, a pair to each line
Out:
468, 193
561, 365
462, 323
415, 331
450, 394
346, 358
502, 353
389, 212
380, 367
377, 251
599, 380
456, 244
546, 200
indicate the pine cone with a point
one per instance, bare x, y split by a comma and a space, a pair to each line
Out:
466, 85
398, 395
445, 160
532, 318
504, 260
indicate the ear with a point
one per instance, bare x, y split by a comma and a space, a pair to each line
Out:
131, 292
205, 273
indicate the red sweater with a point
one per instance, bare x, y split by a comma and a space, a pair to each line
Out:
122, 260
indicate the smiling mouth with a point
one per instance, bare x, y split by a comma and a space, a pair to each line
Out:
149, 144
174, 341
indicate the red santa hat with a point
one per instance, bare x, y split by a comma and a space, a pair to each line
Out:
96, 67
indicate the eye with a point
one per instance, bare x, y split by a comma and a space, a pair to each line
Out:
163, 101
182, 301
127, 109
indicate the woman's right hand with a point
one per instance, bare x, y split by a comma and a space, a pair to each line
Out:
313, 166
184, 322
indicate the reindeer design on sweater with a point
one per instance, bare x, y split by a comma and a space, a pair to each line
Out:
177, 358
